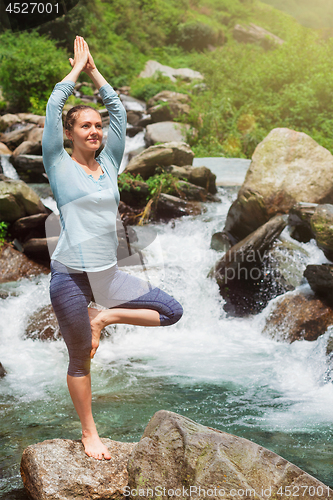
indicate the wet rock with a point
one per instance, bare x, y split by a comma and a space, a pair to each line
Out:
14, 139
191, 192
166, 131
220, 242
300, 221
177, 454
31, 118
2, 371
133, 131
59, 469
245, 274
30, 168
40, 249
133, 117
4, 150
291, 260
35, 135
287, 167
170, 153
320, 279
18, 200
8, 120
153, 68
169, 206
298, 317
29, 227
200, 176
28, 148
322, 227
255, 34
15, 265
43, 325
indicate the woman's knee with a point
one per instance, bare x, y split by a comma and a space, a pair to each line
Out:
173, 315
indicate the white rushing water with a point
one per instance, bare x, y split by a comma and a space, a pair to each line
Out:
206, 346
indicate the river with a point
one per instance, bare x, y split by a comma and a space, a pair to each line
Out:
217, 370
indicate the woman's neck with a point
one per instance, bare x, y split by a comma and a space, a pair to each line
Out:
87, 159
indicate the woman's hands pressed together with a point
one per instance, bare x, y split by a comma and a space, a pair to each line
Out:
83, 61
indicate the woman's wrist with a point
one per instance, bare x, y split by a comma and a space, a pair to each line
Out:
97, 78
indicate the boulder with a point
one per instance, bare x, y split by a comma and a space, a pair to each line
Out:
40, 249
169, 111
134, 194
166, 131
153, 68
7, 121
31, 118
167, 96
30, 168
14, 139
220, 242
29, 227
15, 265
287, 167
255, 34
58, 469
170, 153
300, 221
35, 135
133, 117
320, 279
2, 371
191, 192
169, 206
244, 274
298, 317
4, 150
28, 148
43, 325
18, 200
200, 176
131, 131
321, 224
177, 457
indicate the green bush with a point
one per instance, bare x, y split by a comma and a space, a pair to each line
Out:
195, 35
3, 232
30, 66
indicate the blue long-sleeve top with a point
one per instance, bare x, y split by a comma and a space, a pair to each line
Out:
88, 207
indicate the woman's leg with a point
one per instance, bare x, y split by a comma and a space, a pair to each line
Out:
70, 296
145, 306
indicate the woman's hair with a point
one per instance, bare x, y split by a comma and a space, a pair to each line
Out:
73, 115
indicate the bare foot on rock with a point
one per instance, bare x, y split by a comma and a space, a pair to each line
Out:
94, 447
97, 324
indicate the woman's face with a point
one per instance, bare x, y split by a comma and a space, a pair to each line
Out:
87, 133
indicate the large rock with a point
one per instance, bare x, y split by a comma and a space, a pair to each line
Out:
176, 457
28, 148
300, 221
168, 105
31, 118
170, 153
43, 325
169, 206
167, 96
322, 227
166, 131
4, 150
29, 167
18, 200
200, 176
153, 68
245, 275
59, 469
287, 167
15, 265
320, 278
255, 34
29, 227
298, 317
40, 249
14, 139
8, 120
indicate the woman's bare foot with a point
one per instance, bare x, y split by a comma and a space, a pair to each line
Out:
97, 323
93, 446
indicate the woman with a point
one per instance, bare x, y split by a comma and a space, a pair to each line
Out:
84, 265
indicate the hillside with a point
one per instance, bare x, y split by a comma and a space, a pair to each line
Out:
317, 14
248, 90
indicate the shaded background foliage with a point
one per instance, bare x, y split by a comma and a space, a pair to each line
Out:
248, 90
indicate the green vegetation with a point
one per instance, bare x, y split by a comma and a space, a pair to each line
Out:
161, 182
247, 92
3, 233
30, 65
